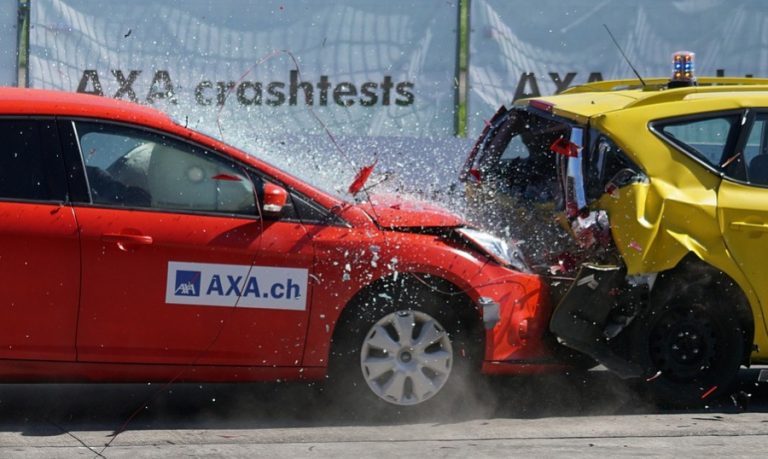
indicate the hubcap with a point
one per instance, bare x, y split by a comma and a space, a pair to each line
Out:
406, 357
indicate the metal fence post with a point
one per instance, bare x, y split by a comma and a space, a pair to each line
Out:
22, 45
462, 67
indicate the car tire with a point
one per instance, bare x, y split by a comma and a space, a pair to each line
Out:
691, 346
402, 349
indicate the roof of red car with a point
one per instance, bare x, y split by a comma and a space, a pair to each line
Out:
23, 101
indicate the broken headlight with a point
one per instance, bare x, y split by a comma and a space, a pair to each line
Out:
503, 252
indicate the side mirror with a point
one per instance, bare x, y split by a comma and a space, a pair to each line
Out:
275, 198
623, 178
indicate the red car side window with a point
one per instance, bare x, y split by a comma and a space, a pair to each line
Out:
31, 166
132, 168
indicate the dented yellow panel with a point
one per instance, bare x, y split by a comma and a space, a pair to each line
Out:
743, 217
655, 224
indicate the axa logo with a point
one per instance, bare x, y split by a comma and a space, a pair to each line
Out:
242, 286
235, 285
187, 283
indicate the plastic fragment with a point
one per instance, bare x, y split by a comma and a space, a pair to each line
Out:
565, 147
613, 192
658, 373
708, 392
362, 177
741, 400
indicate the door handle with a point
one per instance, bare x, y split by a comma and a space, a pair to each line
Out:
133, 238
124, 240
749, 226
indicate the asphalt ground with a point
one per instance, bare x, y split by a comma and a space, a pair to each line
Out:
577, 415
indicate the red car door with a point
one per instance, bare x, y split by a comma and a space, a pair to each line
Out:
39, 246
177, 265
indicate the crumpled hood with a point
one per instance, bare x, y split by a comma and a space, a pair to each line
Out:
392, 211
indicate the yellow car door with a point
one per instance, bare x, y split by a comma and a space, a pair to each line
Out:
743, 208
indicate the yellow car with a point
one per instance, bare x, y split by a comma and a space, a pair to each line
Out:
662, 186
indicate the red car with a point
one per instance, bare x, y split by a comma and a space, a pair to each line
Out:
134, 249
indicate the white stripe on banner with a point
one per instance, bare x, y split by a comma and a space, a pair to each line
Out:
367, 67
521, 48
8, 42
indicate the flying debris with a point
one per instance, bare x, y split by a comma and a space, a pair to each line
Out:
361, 178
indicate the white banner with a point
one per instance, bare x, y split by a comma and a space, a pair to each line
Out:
8, 42
521, 48
365, 67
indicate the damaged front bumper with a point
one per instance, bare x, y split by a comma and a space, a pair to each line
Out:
516, 312
600, 304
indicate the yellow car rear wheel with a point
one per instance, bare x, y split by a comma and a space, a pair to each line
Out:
690, 344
